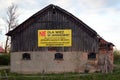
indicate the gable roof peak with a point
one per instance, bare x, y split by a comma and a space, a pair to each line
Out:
51, 6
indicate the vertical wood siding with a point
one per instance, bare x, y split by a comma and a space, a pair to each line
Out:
27, 39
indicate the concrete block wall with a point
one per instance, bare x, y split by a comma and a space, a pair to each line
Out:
44, 62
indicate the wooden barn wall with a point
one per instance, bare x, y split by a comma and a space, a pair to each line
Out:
27, 39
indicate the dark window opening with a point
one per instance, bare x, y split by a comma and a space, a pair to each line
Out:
92, 56
54, 12
58, 56
26, 56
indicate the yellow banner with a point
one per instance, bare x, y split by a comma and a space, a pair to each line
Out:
54, 38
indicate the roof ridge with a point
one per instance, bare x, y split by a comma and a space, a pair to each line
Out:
62, 10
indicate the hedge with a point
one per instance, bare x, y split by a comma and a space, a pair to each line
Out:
4, 60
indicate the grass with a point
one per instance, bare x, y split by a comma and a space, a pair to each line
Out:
64, 76
117, 57
57, 77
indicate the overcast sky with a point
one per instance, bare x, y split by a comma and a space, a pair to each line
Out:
101, 15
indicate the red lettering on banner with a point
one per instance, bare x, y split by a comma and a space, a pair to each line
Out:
42, 33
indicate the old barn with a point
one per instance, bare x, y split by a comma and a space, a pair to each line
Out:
55, 41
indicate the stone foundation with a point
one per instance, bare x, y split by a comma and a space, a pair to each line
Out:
45, 62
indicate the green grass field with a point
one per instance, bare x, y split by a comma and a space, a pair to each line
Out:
64, 76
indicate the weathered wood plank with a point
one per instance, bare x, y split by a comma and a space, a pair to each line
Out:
82, 39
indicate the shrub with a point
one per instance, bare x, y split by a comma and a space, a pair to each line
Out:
4, 59
117, 57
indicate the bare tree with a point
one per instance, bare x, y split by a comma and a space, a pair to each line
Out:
11, 21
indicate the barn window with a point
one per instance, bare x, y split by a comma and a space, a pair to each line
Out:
58, 56
26, 56
92, 56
